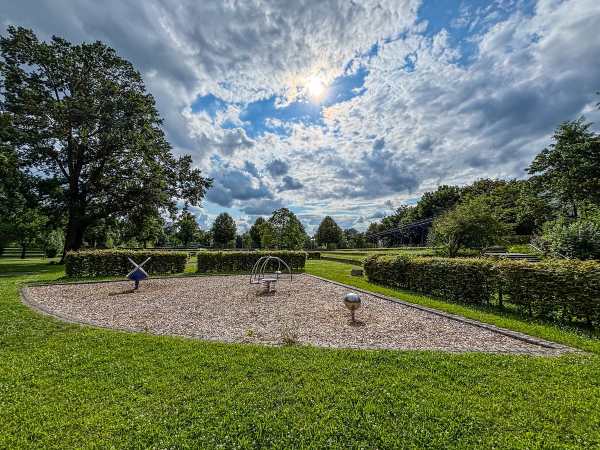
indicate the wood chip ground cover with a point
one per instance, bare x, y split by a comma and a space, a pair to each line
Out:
307, 311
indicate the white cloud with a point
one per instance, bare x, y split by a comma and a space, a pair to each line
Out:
427, 114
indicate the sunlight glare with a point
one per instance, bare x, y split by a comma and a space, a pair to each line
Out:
315, 87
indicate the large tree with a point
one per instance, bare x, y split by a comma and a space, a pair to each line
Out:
329, 232
282, 230
570, 168
354, 238
435, 203
188, 229
81, 120
144, 225
224, 230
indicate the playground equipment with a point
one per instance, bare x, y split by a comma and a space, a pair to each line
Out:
138, 274
258, 275
352, 302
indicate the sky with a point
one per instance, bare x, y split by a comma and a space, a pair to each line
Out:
345, 108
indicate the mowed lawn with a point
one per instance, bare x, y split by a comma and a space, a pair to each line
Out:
64, 386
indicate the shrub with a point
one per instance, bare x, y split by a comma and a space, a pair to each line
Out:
51, 252
98, 263
210, 261
574, 238
313, 255
457, 279
561, 290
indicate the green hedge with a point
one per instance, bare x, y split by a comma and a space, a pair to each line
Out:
99, 263
457, 279
313, 255
564, 290
561, 290
244, 261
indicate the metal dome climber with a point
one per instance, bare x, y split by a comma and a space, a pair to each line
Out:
258, 272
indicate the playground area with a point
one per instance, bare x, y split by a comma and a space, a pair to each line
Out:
305, 311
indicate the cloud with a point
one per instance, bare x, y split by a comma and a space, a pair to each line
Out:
432, 105
291, 184
377, 215
277, 168
261, 207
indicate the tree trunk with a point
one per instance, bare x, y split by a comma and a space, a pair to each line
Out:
74, 237
23, 248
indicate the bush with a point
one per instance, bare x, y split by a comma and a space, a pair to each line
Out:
98, 263
313, 255
561, 290
51, 252
209, 261
573, 238
457, 279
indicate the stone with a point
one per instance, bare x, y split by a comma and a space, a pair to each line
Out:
356, 272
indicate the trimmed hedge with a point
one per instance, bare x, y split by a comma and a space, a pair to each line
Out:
561, 290
99, 263
228, 261
457, 279
313, 255
564, 290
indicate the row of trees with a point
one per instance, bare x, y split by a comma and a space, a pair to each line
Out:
559, 205
84, 161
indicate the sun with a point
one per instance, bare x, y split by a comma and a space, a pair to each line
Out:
315, 87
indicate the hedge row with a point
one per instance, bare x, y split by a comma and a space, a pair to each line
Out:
567, 289
98, 263
563, 290
228, 261
456, 279
313, 255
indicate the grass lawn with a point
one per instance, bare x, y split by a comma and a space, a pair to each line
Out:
64, 385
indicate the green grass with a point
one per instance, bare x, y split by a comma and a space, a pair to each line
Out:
64, 386
360, 255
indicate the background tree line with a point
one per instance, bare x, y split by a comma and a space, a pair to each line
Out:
559, 205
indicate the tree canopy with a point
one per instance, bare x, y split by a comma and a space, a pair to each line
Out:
255, 232
87, 133
329, 232
188, 229
472, 224
282, 230
224, 230
570, 168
